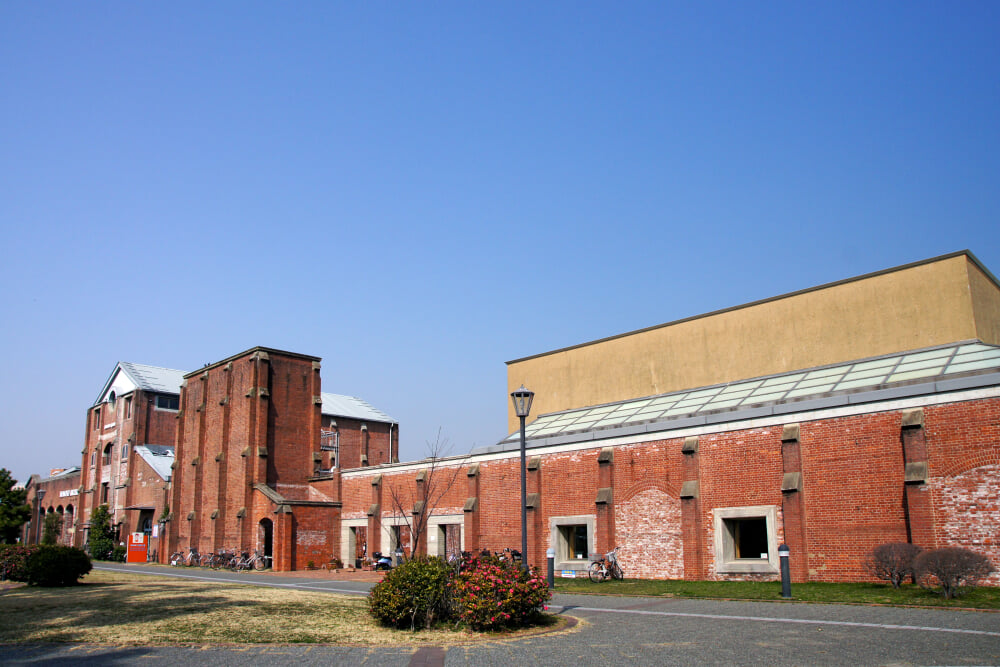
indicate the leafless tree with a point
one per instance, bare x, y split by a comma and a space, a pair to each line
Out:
431, 485
953, 568
892, 562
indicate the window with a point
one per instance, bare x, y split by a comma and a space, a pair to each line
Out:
93, 458
111, 400
104, 493
572, 537
97, 419
124, 452
575, 540
106, 459
746, 540
168, 403
128, 408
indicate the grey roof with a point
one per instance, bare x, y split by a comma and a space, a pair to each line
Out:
159, 458
338, 405
75, 470
919, 372
147, 378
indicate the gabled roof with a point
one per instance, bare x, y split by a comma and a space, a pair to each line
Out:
919, 372
159, 458
338, 405
146, 378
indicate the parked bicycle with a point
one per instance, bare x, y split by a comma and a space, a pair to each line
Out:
178, 558
606, 566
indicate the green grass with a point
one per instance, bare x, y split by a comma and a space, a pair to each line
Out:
857, 593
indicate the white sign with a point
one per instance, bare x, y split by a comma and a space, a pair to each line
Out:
71, 492
568, 574
156, 530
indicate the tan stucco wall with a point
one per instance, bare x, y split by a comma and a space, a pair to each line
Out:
986, 302
914, 306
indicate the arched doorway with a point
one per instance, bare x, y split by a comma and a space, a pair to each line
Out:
69, 525
265, 539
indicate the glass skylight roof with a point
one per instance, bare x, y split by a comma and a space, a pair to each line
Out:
921, 366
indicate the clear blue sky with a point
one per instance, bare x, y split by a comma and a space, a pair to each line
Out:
419, 192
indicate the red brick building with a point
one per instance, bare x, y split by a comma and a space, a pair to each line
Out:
128, 450
58, 494
706, 483
259, 451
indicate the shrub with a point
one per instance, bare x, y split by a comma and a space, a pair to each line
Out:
493, 594
892, 562
14, 560
52, 528
118, 554
102, 535
57, 566
952, 568
414, 594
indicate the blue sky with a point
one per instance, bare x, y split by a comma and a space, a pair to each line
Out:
419, 192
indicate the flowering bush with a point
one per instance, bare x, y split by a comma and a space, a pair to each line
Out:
492, 594
14, 560
414, 594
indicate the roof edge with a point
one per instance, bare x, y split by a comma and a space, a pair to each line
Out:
940, 258
258, 348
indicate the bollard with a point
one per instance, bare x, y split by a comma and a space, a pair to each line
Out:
786, 577
550, 554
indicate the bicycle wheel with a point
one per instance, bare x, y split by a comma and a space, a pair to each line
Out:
176, 558
596, 573
617, 572
259, 563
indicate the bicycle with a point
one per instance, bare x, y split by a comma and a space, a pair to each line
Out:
178, 558
605, 567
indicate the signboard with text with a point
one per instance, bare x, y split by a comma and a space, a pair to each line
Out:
138, 548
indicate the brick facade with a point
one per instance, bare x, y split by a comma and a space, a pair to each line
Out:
853, 493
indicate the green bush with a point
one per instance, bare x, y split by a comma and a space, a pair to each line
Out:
14, 560
118, 554
57, 566
415, 594
493, 594
102, 535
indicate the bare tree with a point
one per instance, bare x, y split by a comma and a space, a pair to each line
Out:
432, 484
892, 562
953, 568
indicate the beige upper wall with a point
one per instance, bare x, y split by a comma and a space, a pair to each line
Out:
938, 301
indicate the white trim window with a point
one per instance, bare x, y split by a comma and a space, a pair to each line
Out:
746, 540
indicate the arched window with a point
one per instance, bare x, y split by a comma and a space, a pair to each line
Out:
125, 452
107, 454
93, 458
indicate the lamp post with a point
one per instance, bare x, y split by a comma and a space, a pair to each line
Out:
522, 408
40, 515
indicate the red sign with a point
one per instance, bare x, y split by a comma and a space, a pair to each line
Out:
138, 548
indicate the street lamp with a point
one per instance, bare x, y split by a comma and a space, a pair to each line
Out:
522, 407
40, 515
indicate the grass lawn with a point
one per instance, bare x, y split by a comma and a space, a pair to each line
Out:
860, 593
122, 608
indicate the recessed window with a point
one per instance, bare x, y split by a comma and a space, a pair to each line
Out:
106, 459
574, 541
128, 408
124, 452
746, 539
111, 400
572, 537
168, 403
93, 458
96, 419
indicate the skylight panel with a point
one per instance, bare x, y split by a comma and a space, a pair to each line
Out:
807, 391
912, 375
825, 372
977, 355
923, 363
877, 363
930, 354
981, 365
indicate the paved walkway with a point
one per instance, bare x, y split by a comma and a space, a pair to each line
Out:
615, 630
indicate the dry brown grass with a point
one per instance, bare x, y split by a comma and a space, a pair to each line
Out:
121, 608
